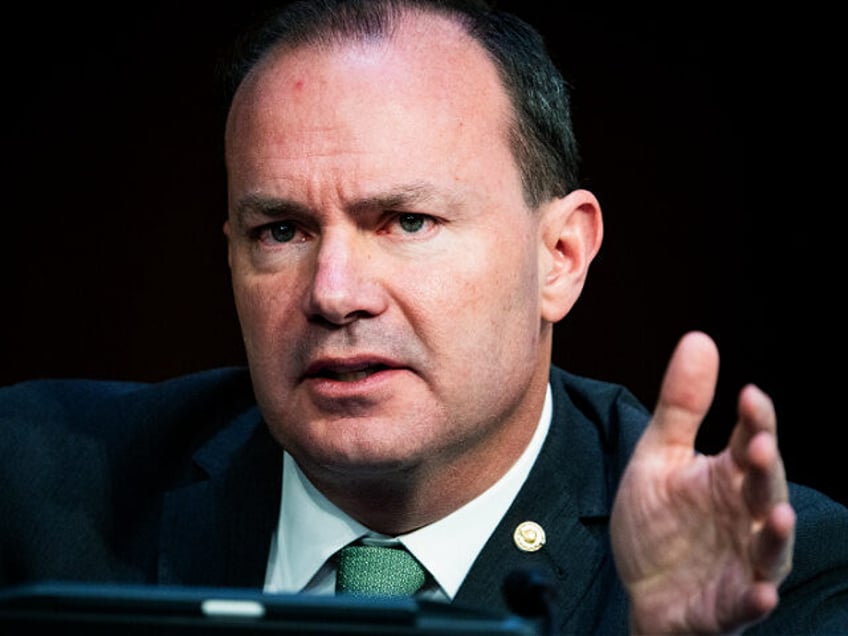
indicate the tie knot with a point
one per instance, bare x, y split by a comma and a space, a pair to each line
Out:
372, 570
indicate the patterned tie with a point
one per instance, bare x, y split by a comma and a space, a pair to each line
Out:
372, 570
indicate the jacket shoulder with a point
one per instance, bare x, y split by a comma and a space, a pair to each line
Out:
610, 410
89, 404
83, 463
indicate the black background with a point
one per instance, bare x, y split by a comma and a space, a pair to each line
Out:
709, 134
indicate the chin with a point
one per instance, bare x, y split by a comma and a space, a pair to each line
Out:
362, 458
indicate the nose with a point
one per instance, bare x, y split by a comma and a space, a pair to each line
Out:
345, 284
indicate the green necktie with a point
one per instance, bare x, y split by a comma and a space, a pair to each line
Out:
370, 570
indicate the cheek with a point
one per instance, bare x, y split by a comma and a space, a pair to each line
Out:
485, 301
501, 281
263, 303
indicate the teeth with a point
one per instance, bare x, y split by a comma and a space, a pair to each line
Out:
353, 376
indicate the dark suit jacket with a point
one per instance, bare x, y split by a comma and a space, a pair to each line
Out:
179, 483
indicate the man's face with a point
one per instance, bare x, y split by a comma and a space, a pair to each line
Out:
385, 264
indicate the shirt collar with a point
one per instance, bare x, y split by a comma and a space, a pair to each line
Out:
311, 528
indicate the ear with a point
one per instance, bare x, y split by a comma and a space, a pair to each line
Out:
571, 233
228, 233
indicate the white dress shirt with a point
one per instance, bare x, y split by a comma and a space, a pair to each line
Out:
311, 529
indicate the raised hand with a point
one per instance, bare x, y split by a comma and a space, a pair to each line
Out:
702, 542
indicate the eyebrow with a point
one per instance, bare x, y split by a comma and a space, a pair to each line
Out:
405, 196
395, 198
257, 205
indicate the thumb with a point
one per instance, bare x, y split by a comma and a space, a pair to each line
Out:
687, 390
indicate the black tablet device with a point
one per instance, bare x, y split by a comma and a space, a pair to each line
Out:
59, 608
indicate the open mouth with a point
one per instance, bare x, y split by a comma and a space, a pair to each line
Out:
349, 375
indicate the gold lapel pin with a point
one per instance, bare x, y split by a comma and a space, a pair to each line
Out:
529, 536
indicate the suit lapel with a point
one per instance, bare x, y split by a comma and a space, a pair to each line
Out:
216, 530
567, 494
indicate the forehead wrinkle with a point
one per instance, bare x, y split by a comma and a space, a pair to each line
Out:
394, 198
408, 195
265, 206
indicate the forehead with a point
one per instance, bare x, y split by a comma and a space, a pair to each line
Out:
425, 57
327, 124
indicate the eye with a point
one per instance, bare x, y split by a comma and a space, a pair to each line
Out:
412, 223
276, 232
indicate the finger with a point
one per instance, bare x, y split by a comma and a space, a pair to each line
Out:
754, 605
754, 449
756, 415
771, 551
687, 390
764, 483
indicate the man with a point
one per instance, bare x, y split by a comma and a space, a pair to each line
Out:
404, 231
